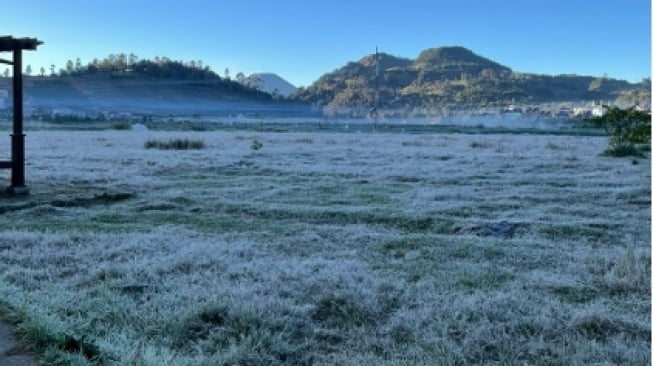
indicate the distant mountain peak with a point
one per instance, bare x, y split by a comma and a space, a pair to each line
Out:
272, 83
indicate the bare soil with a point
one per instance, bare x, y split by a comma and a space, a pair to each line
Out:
12, 353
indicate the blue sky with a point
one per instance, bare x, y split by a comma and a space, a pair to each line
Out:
303, 39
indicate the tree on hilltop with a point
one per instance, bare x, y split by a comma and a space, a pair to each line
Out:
70, 67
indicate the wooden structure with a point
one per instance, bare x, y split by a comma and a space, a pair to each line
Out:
17, 162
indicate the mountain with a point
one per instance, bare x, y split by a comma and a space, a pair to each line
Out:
454, 78
271, 84
438, 79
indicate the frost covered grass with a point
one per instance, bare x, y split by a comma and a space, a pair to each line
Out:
359, 249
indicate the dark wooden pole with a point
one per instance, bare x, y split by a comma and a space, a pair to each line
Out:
18, 137
17, 163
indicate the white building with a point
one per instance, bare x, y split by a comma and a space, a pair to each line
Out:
598, 110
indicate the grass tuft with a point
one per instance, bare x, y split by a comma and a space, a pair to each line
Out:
175, 144
256, 145
479, 145
121, 126
339, 312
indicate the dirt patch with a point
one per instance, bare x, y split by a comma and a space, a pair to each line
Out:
98, 199
503, 229
13, 353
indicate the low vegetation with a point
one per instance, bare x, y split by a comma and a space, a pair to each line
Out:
121, 125
175, 144
256, 145
353, 249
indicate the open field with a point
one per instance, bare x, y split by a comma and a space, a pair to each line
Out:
328, 248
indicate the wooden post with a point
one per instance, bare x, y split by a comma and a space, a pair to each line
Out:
18, 137
17, 163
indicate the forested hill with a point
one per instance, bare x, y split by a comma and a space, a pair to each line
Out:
122, 84
457, 78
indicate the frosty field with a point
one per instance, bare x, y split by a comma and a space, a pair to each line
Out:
328, 248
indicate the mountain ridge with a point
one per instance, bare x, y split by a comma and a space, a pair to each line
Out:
454, 77
442, 78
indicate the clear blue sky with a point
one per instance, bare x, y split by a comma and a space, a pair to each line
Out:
303, 39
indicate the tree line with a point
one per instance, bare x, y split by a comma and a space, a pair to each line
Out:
159, 67
129, 65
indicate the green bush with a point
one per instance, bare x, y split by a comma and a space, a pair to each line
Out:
175, 144
620, 151
627, 128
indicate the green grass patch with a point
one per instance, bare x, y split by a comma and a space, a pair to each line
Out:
575, 295
340, 217
485, 280
339, 312
596, 232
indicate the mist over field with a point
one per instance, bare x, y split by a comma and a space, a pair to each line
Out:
243, 111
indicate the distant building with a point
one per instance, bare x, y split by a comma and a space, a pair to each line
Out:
598, 110
641, 108
564, 112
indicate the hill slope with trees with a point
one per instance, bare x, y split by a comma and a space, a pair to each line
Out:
457, 78
124, 84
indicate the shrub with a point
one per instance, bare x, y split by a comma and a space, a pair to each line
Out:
626, 128
623, 150
256, 145
121, 125
175, 144
479, 145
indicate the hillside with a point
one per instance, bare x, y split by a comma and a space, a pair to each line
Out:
439, 78
454, 77
162, 86
136, 93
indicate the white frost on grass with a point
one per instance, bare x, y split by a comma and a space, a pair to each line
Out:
331, 248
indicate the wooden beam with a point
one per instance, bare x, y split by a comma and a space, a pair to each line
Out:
9, 43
